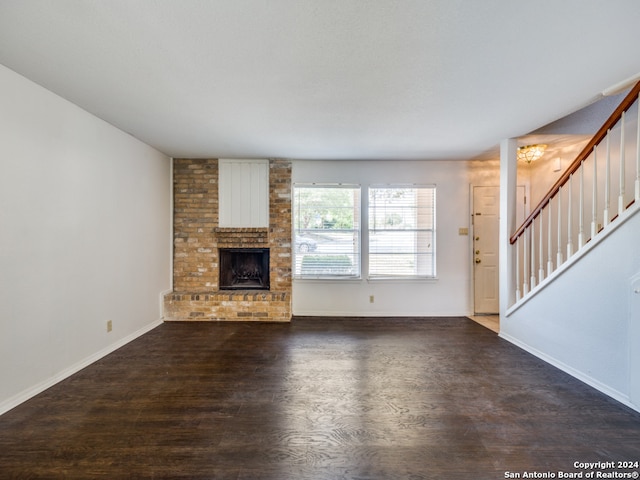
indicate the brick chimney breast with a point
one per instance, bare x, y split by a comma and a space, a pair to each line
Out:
197, 239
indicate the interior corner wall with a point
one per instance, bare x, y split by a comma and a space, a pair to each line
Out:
85, 238
452, 293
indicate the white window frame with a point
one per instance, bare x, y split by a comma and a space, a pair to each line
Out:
374, 228
354, 254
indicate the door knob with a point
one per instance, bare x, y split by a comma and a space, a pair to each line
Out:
477, 252
478, 260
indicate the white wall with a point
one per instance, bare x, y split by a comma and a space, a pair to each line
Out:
583, 320
85, 237
451, 293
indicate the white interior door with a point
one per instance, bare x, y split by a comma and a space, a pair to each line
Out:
486, 229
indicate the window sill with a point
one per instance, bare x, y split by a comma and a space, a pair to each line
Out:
403, 279
328, 279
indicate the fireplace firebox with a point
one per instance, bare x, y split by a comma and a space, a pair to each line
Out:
244, 269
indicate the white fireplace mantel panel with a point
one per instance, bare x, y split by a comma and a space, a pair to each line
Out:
243, 193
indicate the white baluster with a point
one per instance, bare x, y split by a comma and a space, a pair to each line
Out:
517, 245
637, 197
622, 161
549, 243
594, 204
525, 263
541, 253
607, 181
581, 208
570, 219
559, 255
532, 281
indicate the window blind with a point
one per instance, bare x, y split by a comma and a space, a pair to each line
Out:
402, 231
326, 231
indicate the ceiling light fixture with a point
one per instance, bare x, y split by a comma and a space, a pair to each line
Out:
531, 153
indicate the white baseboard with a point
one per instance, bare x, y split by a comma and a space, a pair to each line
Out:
592, 382
323, 313
67, 372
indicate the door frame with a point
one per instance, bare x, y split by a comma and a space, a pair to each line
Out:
522, 194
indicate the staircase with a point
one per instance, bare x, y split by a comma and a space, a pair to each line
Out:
576, 262
595, 191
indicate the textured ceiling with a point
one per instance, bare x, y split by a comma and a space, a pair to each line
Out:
331, 79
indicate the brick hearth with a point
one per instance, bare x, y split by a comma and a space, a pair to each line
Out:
197, 238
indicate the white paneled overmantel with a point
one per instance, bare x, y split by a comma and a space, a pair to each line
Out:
243, 187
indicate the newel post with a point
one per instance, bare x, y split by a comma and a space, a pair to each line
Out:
508, 184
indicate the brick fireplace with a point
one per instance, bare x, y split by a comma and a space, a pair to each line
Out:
197, 294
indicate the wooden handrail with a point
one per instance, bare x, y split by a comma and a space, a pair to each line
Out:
628, 101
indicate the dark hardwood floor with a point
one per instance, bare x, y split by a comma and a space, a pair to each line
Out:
388, 398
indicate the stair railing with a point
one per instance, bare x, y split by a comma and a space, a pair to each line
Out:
577, 208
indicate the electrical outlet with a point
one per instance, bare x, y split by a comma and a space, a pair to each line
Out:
109, 325
371, 298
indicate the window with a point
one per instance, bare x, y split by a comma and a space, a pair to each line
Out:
326, 231
402, 232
